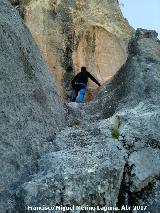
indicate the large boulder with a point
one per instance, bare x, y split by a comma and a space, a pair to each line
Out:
83, 169
31, 108
146, 167
137, 80
79, 33
132, 96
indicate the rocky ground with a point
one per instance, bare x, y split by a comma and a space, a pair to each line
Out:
107, 154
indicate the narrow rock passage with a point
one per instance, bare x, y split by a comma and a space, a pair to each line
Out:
85, 165
46, 161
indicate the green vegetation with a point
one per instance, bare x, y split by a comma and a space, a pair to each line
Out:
115, 133
115, 127
73, 123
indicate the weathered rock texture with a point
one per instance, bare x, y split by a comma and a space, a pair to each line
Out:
30, 107
133, 94
79, 33
137, 82
90, 165
84, 168
109, 154
146, 163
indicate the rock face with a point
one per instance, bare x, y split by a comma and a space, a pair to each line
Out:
133, 95
146, 163
109, 153
31, 108
90, 165
136, 83
79, 33
84, 168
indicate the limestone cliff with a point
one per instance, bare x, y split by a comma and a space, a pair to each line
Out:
79, 33
107, 154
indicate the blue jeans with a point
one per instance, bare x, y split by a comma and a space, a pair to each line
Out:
81, 89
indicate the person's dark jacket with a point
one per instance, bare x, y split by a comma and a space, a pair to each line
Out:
82, 77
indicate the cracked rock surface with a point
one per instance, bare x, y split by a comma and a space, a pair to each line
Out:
30, 106
108, 155
85, 165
